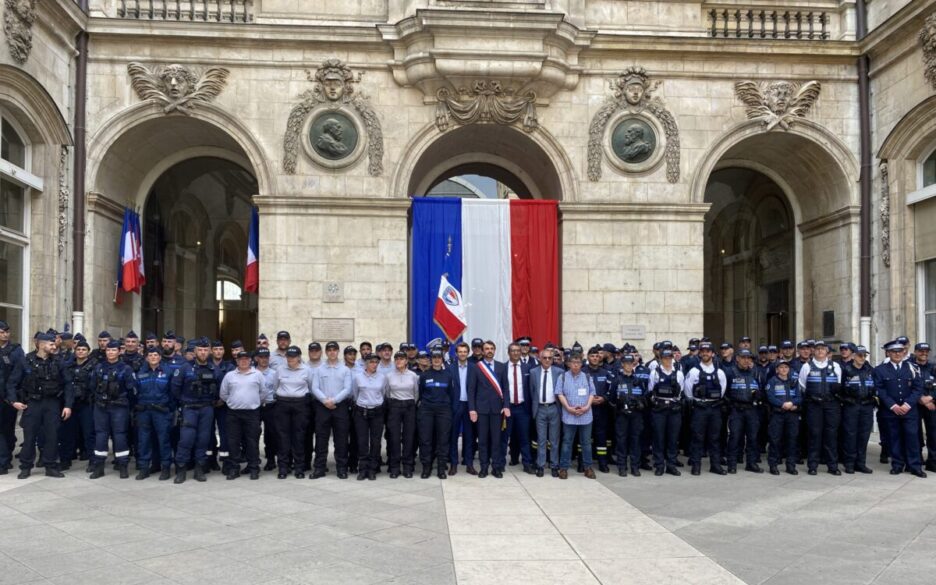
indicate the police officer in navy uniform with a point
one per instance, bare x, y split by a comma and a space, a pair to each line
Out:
220, 450
921, 353
628, 398
665, 389
437, 385
38, 388
602, 412
705, 387
154, 406
899, 388
820, 379
785, 399
78, 430
197, 394
114, 385
131, 355
10, 354
858, 400
744, 396
488, 404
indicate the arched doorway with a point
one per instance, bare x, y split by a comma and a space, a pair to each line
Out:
195, 244
749, 258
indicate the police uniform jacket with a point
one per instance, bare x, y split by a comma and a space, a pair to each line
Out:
898, 385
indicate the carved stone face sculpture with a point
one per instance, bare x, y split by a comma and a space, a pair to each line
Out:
634, 92
177, 82
778, 96
333, 86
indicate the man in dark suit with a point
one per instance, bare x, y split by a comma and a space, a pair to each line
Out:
487, 405
462, 372
899, 388
518, 425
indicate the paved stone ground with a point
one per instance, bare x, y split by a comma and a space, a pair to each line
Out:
708, 530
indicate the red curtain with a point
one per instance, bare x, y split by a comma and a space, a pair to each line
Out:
534, 246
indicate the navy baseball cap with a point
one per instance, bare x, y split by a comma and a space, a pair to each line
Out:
786, 344
332, 345
437, 353
745, 353
903, 339
628, 359
283, 335
666, 353
762, 349
350, 349
477, 342
821, 343
373, 357
783, 363
922, 346
861, 349
706, 346
293, 351
771, 349
744, 339
726, 345
315, 346
262, 352
241, 354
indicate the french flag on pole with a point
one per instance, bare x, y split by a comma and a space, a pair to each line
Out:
131, 276
503, 257
252, 274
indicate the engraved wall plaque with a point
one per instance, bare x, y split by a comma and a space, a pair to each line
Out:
333, 329
632, 332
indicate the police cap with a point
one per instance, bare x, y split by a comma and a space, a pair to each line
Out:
706, 346
783, 363
745, 353
771, 349
241, 354
283, 335
293, 351
112, 344
149, 350
372, 358
202, 342
332, 345
628, 359
726, 345
66, 336
861, 349
437, 353
83, 343
169, 335
903, 339
350, 349
762, 349
131, 335
921, 347
744, 339
104, 335
400, 355
181, 339
262, 352
786, 344
262, 337
47, 337
594, 350
150, 336
820, 343
423, 354
4, 326
315, 346
666, 353
477, 342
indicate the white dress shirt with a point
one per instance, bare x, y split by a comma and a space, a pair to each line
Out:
515, 382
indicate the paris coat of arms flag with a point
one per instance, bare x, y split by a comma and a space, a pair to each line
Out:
449, 313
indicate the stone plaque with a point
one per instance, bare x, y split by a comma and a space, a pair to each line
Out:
333, 292
333, 135
333, 329
633, 140
632, 332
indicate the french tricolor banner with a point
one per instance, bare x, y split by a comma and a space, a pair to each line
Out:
131, 276
503, 255
252, 269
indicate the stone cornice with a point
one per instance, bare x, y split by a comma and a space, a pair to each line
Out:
299, 204
906, 21
237, 34
832, 221
104, 207
604, 212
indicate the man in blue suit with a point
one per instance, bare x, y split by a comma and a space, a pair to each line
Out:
487, 405
899, 388
462, 371
546, 411
518, 425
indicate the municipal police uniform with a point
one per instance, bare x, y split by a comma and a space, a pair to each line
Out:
744, 399
928, 375
434, 417
821, 385
113, 386
220, 448
198, 393
154, 415
705, 387
858, 400
783, 426
41, 384
666, 399
603, 413
899, 384
76, 434
628, 398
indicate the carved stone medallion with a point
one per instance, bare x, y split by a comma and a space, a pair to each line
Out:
633, 140
337, 123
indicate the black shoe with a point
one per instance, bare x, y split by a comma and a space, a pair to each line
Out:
372, 475
658, 471
812, 472
282, 475
232, 474
863, 469
581, 467
514, 462
732, 469
483, 473
753, 468
849, 470
835, 471
635, 471
442, 475
622, 471
362, 475
885, 458
696, 470
673, 471
407, 475
555, 472
539, 472
317, 474
4, 470
213, 466
918, 473
774, 470
528, 469
179, 476
646, 466
124, 472
396, 474
142, 474
200, 474
352, 469
895, 471
498, 473
64, 466
679, 463
603, 468
53, 472
342, 474
270, 465
792, 470
89, 468
24, 473
426, 473
299, 475
98, 471
255, 474
718, 470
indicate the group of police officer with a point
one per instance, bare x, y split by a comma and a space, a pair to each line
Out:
170, 402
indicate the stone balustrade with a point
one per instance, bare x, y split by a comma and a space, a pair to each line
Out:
187, 10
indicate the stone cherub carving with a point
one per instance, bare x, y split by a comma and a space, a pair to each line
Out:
176, 87
928, 43
18, 18
334, 86
778, 103
633, 91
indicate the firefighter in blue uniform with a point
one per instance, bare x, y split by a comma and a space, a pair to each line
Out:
665, 390
197, 394
899, 388
38, 388
785, 399
154, 413
858, 400
705, 387
820, 379
113, 385
602, 411
744, 397
628, 398
921, 353
78, 430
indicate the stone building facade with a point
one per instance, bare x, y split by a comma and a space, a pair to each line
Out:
705, 156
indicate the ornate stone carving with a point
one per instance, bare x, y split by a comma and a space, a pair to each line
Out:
18, 18
928, 42
334, 89
777, 103
485, 101
884, 208
177, 87
633, 94
63, 197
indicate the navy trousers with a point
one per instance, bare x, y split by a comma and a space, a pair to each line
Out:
42, 418
490, 451
857, 421
462, 425
77, 433
743, 425
822, 422
112, 420
517, 434
195, 435
153, 426
903, 440
783, 437
706, 428
666, 425
628, 432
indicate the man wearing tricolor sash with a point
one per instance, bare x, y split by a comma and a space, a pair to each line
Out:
488, 405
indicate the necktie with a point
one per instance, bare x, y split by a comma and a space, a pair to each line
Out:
516, 390
545, 376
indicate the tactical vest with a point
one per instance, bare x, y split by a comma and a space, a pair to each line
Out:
81, 378
109, 390
743, 387
42, 380
785, 390
858, 384
630, 394
929, 379
667, 391
707, 387
601, 378
821, 383
205, 386
6, 357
